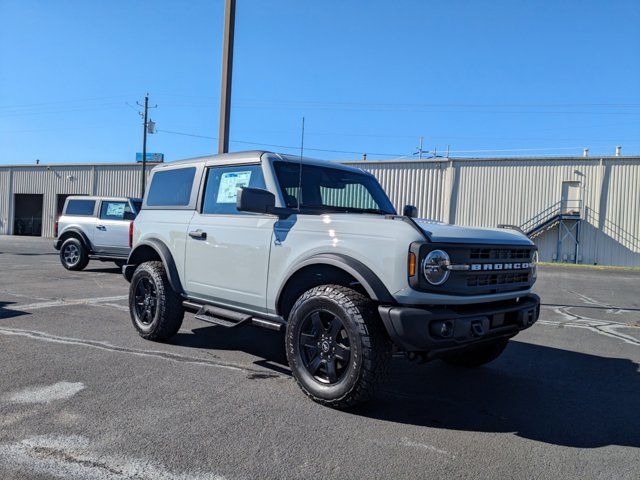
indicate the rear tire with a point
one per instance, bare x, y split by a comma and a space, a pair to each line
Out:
74, 255
337, 347
478, 356
155, 308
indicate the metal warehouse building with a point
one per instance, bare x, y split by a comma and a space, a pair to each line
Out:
32, 196
576, 209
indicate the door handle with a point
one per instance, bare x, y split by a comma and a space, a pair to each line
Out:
198, 234
101, 227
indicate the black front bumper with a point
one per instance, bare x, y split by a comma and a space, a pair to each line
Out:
439, 330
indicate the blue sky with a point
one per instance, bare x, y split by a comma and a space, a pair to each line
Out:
499, 77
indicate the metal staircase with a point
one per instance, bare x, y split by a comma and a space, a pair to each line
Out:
566, 215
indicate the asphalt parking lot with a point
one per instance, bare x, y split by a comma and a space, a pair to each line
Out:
83, 396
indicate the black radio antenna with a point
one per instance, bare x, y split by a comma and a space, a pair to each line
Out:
300, 173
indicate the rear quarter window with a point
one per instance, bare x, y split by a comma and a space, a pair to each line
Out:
80, 208
171, 188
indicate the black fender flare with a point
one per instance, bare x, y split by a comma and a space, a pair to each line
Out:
73, 231
374, 287
164, 253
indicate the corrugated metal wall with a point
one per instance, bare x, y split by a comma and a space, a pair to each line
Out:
463, 191
51, 181
422, 184
486, 193
5, 190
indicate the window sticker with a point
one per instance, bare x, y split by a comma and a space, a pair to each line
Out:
115, 210
230, 182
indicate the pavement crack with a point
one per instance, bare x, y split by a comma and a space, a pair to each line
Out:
174, 357
608, 329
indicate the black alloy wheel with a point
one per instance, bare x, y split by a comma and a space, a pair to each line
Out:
326, 348
146, 301
337, 348
155, 307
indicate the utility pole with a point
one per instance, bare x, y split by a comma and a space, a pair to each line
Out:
420, 149
144, 145
145, 125
227, 70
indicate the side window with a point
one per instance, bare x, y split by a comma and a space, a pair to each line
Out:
221, 188
116, 211
171, 188
80, 208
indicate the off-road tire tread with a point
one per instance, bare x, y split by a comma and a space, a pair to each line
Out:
169, 302
376, 352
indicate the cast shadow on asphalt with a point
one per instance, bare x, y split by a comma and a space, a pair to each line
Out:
7, 313
537, 392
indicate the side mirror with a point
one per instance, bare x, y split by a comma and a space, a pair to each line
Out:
410, 211
255, 200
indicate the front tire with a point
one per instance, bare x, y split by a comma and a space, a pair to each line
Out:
336, 346
74, 255
155, 308
478, 356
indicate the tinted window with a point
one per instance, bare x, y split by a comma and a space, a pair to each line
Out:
221, 190
80, 207
116, 211
327, 189
171, 188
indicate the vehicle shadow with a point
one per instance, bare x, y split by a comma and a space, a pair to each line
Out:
8, 313
265, 344
540, 393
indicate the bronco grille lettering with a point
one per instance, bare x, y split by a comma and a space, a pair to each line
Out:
475, 267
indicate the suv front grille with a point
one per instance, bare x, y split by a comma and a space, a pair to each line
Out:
489, 279
482, 269
500, 253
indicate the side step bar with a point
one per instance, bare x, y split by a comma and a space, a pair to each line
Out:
228, 318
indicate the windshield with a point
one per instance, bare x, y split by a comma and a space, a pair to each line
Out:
326, 189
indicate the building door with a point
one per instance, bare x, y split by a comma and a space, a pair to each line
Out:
27, 217
571, 196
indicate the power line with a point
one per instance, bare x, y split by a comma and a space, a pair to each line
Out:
289, 147
57, 102
386, 154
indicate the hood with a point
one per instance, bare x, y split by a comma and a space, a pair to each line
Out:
439, 232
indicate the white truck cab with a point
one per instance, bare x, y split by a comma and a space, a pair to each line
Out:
317, 249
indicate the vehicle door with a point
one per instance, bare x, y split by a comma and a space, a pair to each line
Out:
111, 234
227, 257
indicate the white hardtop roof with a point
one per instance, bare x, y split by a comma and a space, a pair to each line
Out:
95, 197
255, 156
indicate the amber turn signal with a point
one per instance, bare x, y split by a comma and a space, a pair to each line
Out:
412, 264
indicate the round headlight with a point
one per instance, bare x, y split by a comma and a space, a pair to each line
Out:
534, 264
434, 267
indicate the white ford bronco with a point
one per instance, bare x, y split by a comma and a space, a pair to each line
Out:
317, 249
95, 228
